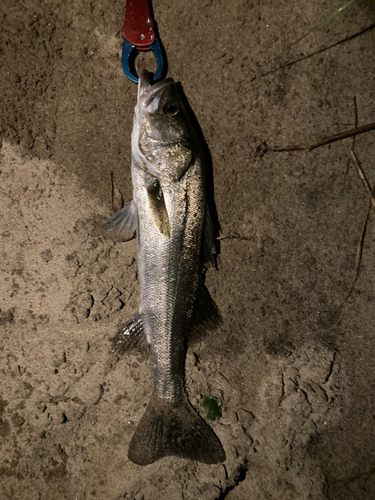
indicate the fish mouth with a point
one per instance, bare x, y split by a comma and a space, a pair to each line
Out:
148, 92
158, 142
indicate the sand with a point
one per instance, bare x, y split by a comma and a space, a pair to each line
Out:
297, 383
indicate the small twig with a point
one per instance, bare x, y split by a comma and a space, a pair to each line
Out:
234, 237
358, 257
117, 198
355, 126
362, 176
328, 140
355, 113
325, 21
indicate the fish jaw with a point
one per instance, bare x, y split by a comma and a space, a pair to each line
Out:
147, 92
164, 142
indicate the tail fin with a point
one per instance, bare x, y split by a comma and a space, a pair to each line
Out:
169, 430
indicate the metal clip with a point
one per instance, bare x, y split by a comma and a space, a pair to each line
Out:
129, 52
139, 34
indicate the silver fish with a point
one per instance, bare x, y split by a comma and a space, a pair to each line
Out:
168, 215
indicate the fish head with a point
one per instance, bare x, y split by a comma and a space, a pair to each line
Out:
163, 142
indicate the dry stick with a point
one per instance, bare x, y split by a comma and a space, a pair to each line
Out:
355, 126
358, 256
117, 199
362, 176
365, 182
328, 140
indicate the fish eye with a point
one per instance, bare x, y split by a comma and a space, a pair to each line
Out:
172, 109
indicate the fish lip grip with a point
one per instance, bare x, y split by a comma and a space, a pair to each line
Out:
128, 55
139, 34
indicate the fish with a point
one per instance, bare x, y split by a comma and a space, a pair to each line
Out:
170, 218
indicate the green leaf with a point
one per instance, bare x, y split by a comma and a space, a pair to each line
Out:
211, 405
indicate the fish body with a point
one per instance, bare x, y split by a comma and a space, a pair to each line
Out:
168, 215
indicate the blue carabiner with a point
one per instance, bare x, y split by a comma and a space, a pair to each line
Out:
129, 53
139, 32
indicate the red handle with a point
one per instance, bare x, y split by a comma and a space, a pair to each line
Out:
138, 27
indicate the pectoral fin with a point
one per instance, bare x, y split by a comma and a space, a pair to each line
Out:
122, 225
158, 208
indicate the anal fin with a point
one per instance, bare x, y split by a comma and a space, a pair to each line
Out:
131, 337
